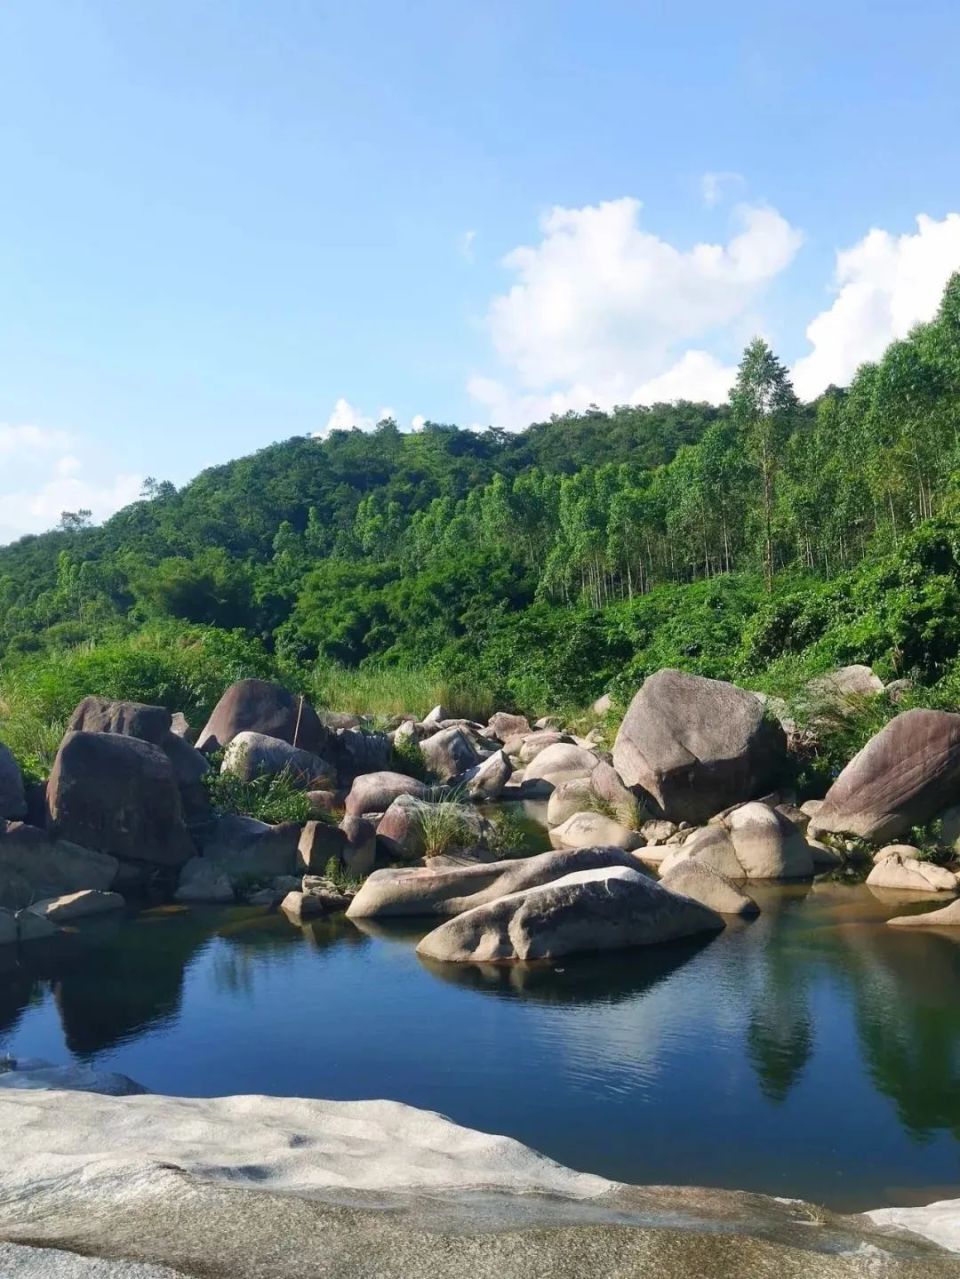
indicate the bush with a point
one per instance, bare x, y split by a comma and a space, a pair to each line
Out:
270, 798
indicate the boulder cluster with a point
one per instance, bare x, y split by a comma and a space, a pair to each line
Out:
657, 840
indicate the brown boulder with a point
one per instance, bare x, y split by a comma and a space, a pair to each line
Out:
117, 795
129, 719
257, 706
904, 776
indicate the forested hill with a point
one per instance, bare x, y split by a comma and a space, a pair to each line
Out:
553, 563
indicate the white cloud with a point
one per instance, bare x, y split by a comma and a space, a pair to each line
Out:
466, 245
347, 418
603, 311
712, 185
885, 285
43, 476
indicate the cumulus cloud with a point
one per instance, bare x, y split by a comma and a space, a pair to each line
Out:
43, 476
345, 417
605, 312
885, 284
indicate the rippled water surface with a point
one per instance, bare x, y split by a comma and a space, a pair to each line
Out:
813, 1052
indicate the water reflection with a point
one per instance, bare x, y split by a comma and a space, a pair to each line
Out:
723, 1059
590, 979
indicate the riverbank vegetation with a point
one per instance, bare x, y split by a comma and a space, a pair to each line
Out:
764, 541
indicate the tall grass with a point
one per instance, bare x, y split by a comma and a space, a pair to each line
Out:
397, 690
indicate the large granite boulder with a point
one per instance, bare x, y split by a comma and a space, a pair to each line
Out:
842, 689
375, 792
701, 883
451, 890
117, 795
528, 746
449, 753
753, 841
568, 798
904, 776
204, 881
487, 780
129, 719
561, 762
606, 908
355, 752
252, 755
246, 848
257, 706
13, 800
584, 830
503, 726
319, 842
697, 745
360, 852
907, 873
34, 865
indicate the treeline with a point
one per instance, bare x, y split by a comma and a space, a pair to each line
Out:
546, 562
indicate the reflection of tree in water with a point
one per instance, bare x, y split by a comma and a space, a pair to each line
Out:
905, 987
780, 1035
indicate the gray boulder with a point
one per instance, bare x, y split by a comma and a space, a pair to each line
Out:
252, 755
504, 726
319, 841
767, 845
204, 881
527, 748
357, 752
449, 891
701, 883
13, 800
487, 780
697, 745
606, 908
117, 795
257, 706
844, 689
375, 792
128, 719
561, 762
904, 776
31, 928
79, 905
568, 798
584, 830
245, 847
449, 753
359, 854
33, 865
907, 873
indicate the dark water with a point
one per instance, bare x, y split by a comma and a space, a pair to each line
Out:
812, 1053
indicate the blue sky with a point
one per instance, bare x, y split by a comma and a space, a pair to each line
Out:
224, 223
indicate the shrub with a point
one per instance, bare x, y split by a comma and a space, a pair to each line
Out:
270, 798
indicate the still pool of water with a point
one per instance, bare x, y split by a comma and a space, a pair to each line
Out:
813, 1052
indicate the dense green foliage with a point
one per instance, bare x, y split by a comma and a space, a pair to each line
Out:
763, 542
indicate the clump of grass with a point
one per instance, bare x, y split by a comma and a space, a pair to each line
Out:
509, 836
407, 757
272, 798
444, 827
335, 872
397, 690
629, 813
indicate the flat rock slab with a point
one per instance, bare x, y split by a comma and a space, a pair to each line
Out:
89, 901
276, 1188
608, 908
450, 891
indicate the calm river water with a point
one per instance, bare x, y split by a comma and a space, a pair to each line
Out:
813, 1052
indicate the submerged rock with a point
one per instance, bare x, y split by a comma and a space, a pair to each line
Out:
606, 908
946, 917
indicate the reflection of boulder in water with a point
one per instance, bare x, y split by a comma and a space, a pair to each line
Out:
112, 986
399, 930
608, 978
272, 930
16, 989
908, 1020
780, 1042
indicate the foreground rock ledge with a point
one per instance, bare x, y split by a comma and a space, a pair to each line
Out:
262, 1187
